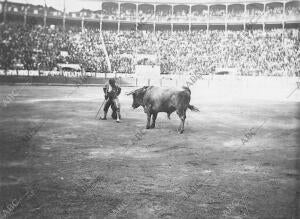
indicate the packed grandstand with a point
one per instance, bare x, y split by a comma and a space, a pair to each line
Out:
257, 38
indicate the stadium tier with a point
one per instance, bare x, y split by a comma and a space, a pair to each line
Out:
42, 38
157, 15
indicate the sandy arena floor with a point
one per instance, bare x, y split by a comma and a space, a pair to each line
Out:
58, 161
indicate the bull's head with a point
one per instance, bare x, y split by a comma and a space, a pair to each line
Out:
138, 96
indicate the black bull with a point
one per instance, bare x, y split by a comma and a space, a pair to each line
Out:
155, 99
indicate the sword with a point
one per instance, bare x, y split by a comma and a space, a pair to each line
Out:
100, 109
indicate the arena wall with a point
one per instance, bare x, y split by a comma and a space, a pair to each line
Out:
226, 88
221, 87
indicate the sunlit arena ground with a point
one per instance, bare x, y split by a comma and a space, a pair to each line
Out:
58, 161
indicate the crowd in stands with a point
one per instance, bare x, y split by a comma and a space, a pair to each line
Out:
274, 11
202, 14
217, 12
146, 14
110, 13
254, 12
181, 14
199, 14
274, 52
292, 10
31, 47
128, 13
235, 13
165, 14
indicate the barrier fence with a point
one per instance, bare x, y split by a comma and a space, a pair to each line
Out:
208, 81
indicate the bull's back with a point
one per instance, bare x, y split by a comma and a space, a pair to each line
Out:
166, 99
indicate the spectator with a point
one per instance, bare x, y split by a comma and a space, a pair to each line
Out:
266, 53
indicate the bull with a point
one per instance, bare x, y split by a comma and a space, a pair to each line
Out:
155, 99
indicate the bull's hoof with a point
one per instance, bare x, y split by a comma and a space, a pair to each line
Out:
148, 127
152, 126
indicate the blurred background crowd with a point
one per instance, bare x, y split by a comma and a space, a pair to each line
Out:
200, 13
270, 52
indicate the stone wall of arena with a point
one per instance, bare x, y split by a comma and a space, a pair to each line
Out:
226, 88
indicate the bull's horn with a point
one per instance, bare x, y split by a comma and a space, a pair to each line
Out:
131, 92
137, 90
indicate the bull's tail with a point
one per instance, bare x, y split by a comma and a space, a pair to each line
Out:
193, 108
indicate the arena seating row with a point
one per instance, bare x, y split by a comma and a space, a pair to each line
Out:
162, 12
35, 47
183, 14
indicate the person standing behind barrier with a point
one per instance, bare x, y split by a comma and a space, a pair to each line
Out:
112, 91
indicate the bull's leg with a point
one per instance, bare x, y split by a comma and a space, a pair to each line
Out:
154, 115
169, 113
182, 116
171, 110
182, 123
117, 107
148, 120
